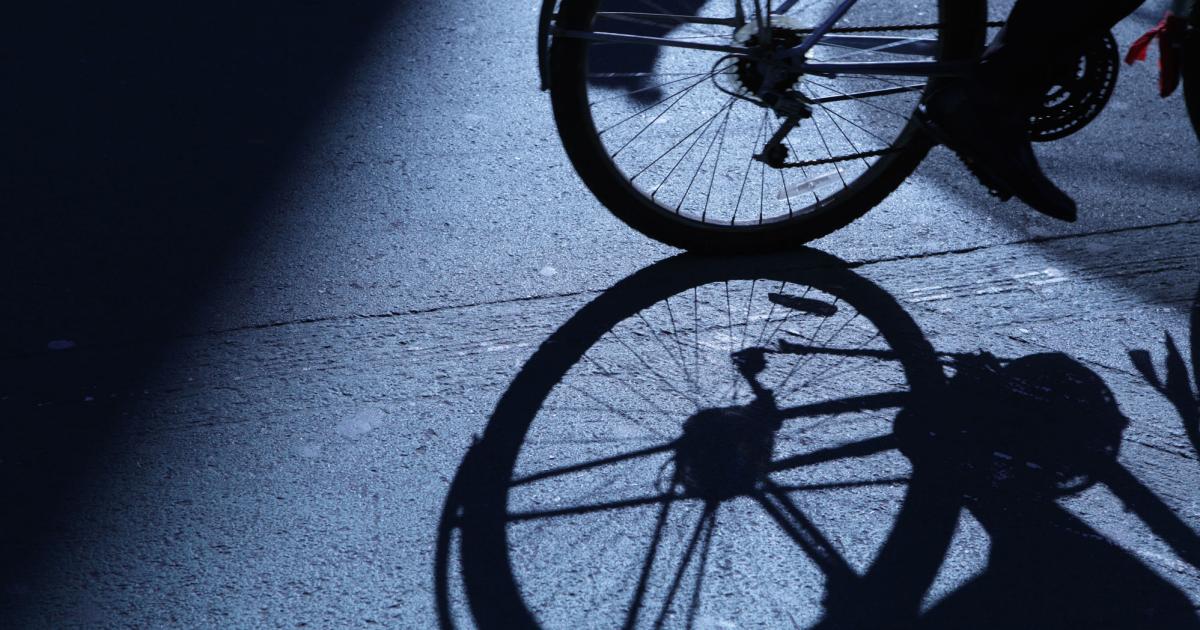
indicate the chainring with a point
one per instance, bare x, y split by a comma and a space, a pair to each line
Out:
1078, 92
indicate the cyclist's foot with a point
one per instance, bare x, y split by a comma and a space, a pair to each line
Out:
992, 139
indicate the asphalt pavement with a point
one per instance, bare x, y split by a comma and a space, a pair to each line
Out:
267, 433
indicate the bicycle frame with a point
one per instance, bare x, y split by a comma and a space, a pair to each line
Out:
819, 35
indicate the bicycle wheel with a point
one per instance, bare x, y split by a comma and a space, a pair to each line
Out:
622, 478
666, 137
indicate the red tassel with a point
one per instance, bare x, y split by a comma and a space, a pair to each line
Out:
1170, 33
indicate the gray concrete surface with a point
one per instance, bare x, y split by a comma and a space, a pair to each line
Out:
288, 462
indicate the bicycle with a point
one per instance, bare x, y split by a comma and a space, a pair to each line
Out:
739, 126
744, 415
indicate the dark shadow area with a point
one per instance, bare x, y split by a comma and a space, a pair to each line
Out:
1013, 436
1002, 439
138, 140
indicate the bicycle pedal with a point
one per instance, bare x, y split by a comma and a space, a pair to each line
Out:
994, 188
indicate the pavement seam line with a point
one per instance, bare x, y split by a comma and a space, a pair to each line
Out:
531, 298
1026, 241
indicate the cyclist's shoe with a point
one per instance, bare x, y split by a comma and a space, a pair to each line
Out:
992, 139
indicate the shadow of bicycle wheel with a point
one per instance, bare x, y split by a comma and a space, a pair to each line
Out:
772, 440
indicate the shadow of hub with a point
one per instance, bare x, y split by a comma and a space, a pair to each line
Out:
724, 453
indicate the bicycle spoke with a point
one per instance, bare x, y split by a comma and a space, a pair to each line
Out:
684, 563
847, 138
805, 533
916, 87
666, 381
642, 75
842, 485
603, 38
863, 101
842, 361
576, 468
702, 128
868, 402
804, 172
639, 593
716, 165
633, 75
762, 185
594, 508
827, 149
657, 19
675, 358
831, 113
661, 10
689, 38
884, 48
786, 194
698, 587
616, 411
749, 166
873, 77
704, 158
704, 77
627, 386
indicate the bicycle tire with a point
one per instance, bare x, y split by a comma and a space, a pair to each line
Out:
478, 505
961, 34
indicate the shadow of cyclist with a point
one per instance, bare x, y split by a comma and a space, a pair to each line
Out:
1012, 438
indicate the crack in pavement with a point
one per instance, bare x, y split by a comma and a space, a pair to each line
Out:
858, 264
